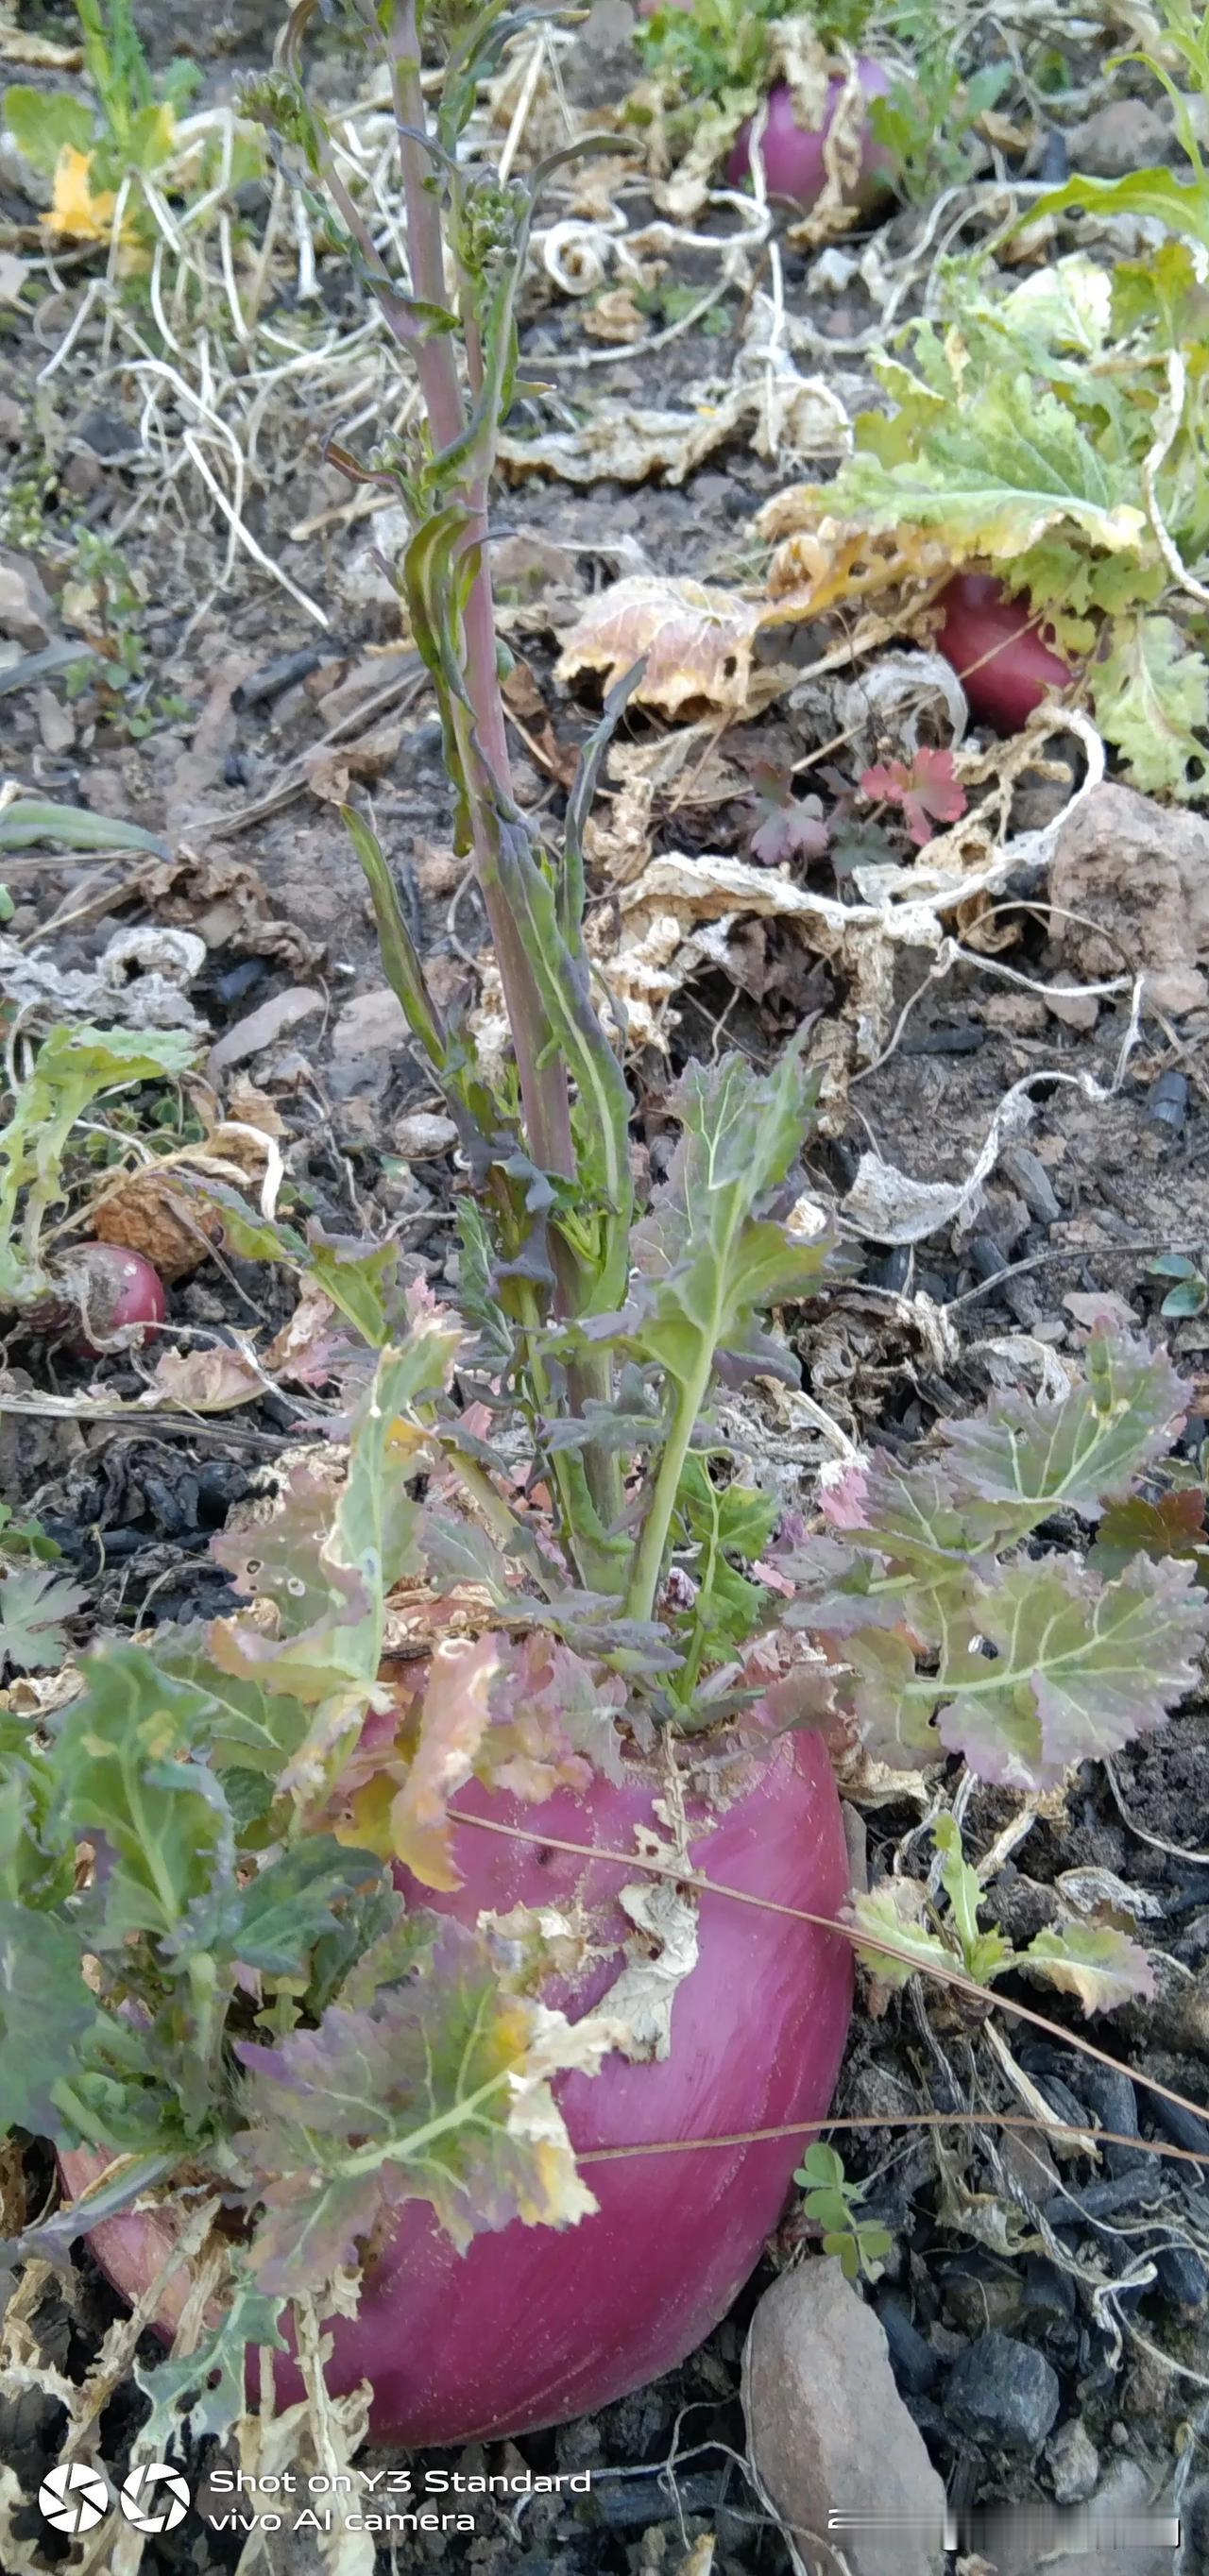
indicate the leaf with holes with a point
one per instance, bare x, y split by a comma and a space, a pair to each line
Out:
439, 2092
202, 2395
1078, 1668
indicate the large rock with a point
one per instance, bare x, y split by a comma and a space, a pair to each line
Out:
828, 2432
1141, 872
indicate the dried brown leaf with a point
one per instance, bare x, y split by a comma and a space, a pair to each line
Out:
696, 640
212, 1381
171, 1231
625, 443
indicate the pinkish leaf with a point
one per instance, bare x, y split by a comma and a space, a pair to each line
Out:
790, 830
928, 790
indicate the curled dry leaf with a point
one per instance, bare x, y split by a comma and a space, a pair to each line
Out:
820, 559
227, 903
147, 1215
315, 1345
680, 914
697, 643
623, 444
207, 1381
660, 1953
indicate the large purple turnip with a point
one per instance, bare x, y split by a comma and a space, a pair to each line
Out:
532, 2326
792, 156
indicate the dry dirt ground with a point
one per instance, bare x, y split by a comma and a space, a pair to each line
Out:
258, 720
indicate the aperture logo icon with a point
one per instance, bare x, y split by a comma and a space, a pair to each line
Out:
155, 2497
73, 2498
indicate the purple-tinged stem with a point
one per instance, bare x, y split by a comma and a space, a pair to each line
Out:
545, 1093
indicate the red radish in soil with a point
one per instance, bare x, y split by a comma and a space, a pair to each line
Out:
1002, 656
532, 2326
116, 1295
792, 156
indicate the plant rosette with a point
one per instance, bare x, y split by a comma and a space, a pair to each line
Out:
529, 2325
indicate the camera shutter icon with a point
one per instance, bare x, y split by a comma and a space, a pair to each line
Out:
155, 2497
73, 2498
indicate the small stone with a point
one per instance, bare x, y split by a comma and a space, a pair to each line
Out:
25, 609
1074, 2462
1028, 1175
602, 64
1030, 2163
1004, 2392
1129, 888
827, 2427
1049, 2293
1183, 2276
977, 2293
372, 1023
1109, 2093
423, 1134
1120, 138
911, 2356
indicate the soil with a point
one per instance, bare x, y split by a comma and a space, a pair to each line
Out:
243, 775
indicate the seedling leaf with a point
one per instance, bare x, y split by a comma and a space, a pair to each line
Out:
34, 1603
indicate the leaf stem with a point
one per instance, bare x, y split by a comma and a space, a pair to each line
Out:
648, 1564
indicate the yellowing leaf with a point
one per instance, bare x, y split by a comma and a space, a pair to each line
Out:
78, 215
696, 642
893, 1913
821, 558
439, 2092
1151, 697
995, 474
1102, 1967
454, 1718
1178, 203
74, 210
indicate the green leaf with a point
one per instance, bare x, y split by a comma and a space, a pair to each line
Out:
274, 1921
34, 1602
983, 1954
202, 2396
1190, 1298
247, 1726
1101, 1966
892, 1913
1181, 204
724, 1520
252, 1236
1172, 1525
1151, 699
710, 1262
439, 2093
73, 1066
997, 469
121, 1771
29, 820
1029, 1457
46, 2013
37, 1865
1078, 1668
43, 123
821, 2168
